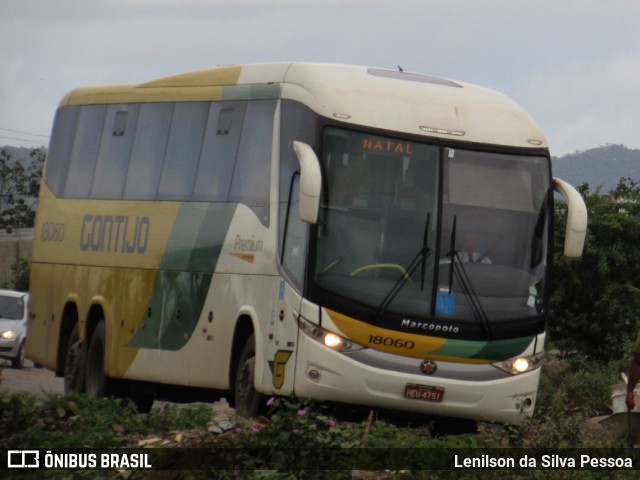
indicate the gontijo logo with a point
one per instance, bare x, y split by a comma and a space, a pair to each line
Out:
23, 459
115, 233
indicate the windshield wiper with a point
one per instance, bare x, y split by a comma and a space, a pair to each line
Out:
420, 259
456, 267
425, 251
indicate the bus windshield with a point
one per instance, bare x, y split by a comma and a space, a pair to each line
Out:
494, 235
378, 213
381, 244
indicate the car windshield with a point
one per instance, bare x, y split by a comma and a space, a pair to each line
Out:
381, 244
11, 308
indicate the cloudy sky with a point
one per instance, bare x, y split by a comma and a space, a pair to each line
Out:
573, 64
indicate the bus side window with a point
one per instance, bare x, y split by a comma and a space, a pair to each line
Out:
183, 150
295, 239
85, 151
115, 149
301, 124
251, 181
219, 150
148, 151
62, 139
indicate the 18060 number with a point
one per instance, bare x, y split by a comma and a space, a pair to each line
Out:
391, 342
52, 232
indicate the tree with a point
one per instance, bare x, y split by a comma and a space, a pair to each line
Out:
19, 187
596, 299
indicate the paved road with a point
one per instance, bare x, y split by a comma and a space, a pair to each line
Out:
39, 381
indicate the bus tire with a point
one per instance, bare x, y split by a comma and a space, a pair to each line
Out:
247, 400
73, 373
96, 382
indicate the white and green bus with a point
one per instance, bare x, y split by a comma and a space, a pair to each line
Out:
298, 229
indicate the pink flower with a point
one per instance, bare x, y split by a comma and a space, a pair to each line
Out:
255, 429
302, 412
296, 431
332, 422
271, 401
238, 430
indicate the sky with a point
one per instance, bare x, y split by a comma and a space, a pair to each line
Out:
574, 65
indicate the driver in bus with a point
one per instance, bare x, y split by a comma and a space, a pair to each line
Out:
469, 250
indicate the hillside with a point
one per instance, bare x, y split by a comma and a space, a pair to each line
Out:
601, 167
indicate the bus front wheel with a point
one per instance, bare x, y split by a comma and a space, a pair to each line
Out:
247, 400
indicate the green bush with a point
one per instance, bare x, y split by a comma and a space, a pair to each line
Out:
20, 274
595, 299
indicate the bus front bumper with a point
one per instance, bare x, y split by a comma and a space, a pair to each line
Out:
324, 374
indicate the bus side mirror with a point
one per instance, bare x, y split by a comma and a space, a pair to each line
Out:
576, 218
310, 182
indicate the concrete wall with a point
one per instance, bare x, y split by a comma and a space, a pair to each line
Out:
16, 244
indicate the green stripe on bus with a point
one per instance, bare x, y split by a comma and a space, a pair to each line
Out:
495, 350
265, 91
499, 350
184, 276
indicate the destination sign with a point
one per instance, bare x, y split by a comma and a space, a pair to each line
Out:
386, 146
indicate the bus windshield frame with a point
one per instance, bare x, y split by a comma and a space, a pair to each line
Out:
413, 233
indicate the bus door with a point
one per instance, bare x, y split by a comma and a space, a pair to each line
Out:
281, 349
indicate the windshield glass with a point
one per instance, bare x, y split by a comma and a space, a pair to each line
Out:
11, 308
494, 230
378, 211
381, 244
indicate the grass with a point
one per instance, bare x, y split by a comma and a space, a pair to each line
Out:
570, 393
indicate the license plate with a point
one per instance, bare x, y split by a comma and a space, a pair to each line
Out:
424, 392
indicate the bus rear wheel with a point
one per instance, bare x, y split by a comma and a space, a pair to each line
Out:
73, 363
247, 400
96, 382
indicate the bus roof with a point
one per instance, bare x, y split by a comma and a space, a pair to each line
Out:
391, 100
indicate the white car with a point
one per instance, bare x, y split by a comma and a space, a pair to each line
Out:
14, 315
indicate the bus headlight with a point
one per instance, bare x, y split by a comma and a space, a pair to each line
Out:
518, 365
327, 338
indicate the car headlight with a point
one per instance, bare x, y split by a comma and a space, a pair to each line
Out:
518, 365
8, 335
328, 338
